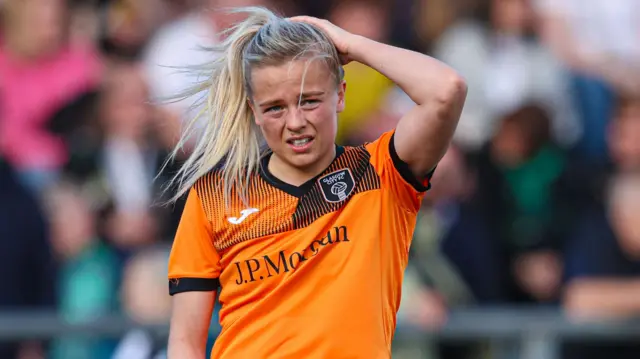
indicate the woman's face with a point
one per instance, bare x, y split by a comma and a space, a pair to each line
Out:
126, 113
296, 105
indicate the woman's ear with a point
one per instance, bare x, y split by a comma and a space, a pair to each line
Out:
342, 89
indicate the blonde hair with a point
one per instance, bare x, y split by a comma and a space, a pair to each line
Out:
231, 140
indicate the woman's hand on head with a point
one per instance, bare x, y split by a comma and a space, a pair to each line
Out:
341, 38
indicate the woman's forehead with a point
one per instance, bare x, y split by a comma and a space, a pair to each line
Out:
291, 76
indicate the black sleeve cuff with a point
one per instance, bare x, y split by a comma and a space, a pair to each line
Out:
180, 285
403, 168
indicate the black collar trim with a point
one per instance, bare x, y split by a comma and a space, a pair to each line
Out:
296, 191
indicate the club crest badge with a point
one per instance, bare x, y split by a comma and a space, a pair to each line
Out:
337, 186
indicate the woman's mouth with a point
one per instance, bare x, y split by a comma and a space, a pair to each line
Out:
300, 144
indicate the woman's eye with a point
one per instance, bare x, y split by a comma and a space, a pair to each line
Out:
274, 109
309, 103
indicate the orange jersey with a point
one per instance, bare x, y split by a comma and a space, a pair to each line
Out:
310, 271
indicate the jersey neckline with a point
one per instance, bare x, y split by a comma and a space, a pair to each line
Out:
296, 191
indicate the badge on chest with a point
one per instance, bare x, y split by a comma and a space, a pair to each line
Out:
337, 186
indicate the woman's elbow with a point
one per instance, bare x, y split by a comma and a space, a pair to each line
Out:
448, 101
453, 91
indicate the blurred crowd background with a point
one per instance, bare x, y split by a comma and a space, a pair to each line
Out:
537, 202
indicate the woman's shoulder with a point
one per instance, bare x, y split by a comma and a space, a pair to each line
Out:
214, 179
214, 175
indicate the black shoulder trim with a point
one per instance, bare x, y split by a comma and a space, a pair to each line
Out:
180, 285
403, 168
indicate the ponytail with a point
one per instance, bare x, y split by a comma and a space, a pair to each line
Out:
230, 133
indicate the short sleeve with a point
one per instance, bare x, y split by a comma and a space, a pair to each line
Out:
395, 174
194, 263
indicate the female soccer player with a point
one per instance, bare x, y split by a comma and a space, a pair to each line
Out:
304, 242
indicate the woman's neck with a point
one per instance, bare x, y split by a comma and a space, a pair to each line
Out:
296, 176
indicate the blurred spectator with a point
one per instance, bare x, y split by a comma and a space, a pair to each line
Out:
612, 216
129, 156
40, 71
433, 283
363, 119
145, 300
603, 267
505, 67
129, 24
605, 254
137, 139
600, 42
27, 265
181, 45
507, 236
590, 180
117, 154
89, 274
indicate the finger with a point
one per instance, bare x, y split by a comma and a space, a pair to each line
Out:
302, 18
307, 19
